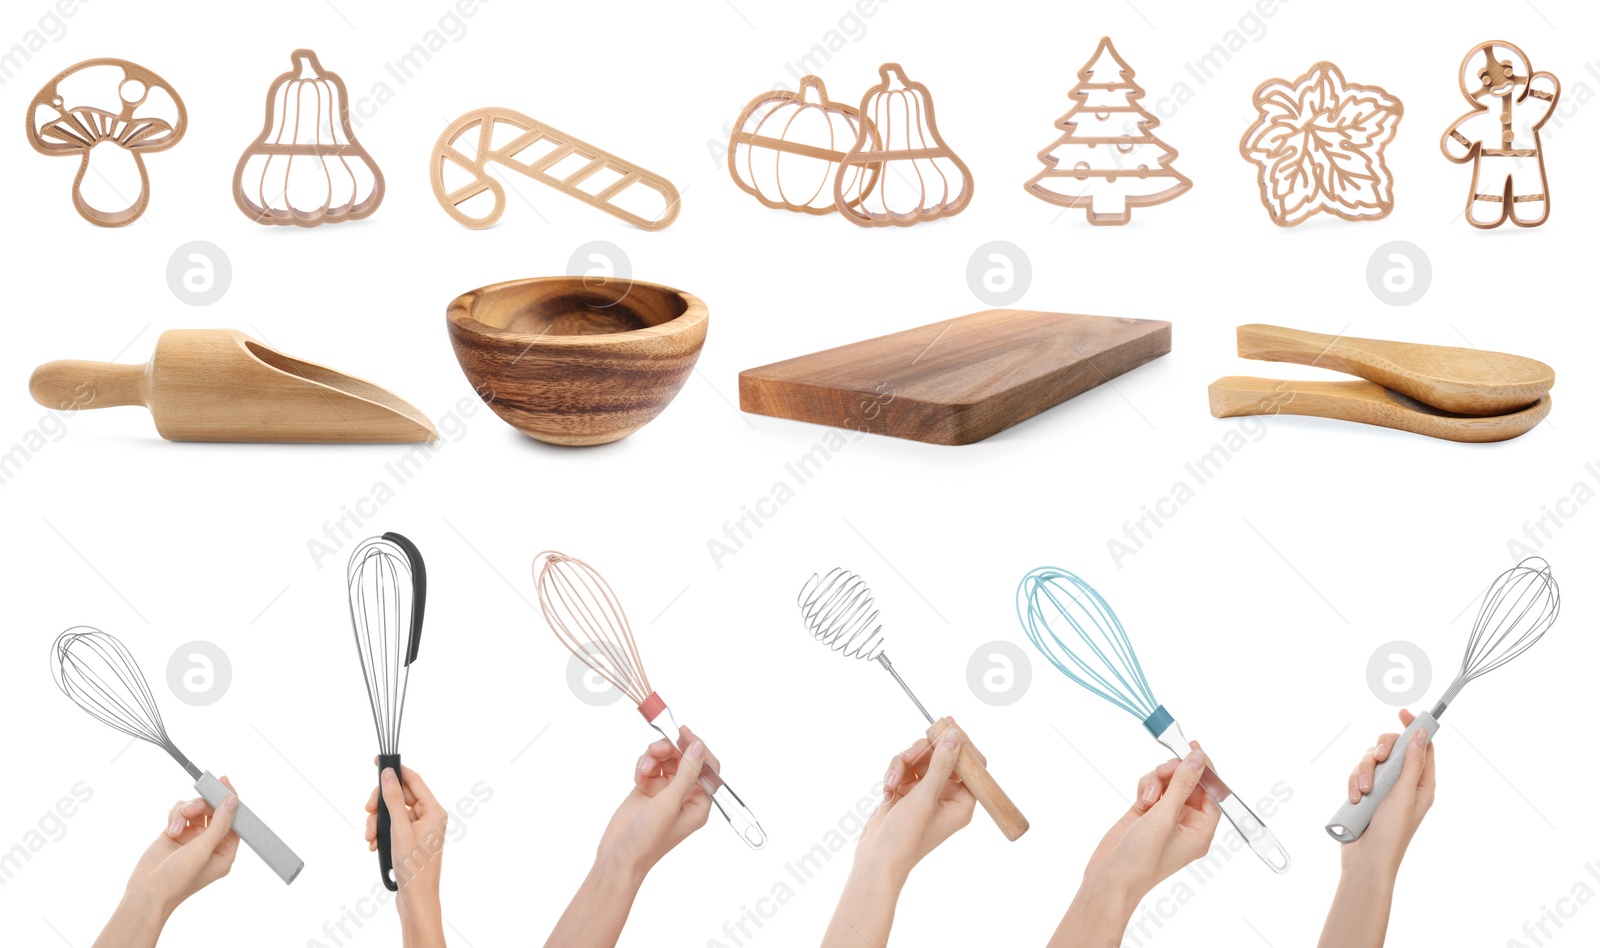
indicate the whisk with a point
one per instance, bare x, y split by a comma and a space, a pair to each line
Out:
587, 617
99, 674
1076, 630
388, 587
837, 609
1518, 609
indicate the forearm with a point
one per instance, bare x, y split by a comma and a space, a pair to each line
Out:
421, 923
597, 913
1359, 916
136, 923
1097, 917
866, 908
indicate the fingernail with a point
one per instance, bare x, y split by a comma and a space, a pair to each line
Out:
1382, 748
389, 779
231, 804
1152, 793
891, 778
1366, 783
646, 764
177, 825
1195, 760
1420, 738
950, 739
696, 751
1355, 794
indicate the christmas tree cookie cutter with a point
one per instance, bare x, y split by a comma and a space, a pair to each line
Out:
307, 148
1502, 142
1106, 161
786, 149
919, 177
122, 115
553, 158
1318, 143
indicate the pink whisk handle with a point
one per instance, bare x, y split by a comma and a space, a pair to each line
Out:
728, 803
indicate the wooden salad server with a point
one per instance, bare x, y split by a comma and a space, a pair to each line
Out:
221, 385
1368, 403
1464, 381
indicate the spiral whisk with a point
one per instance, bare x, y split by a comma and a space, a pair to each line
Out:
587, 617
837, 609
1519, 607
387, 584
99, 674
1078, 632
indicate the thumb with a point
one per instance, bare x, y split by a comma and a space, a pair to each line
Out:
399, 817
945, 754
1184, 779
1411, 769
687, 777
220, 826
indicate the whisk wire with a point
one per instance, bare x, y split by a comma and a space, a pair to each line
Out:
100, 675
837, 610
588, 618
1518, 608
1115, 673
381, 592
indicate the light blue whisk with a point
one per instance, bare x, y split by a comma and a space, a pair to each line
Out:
1076, 630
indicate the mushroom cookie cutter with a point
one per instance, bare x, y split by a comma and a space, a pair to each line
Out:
59, 124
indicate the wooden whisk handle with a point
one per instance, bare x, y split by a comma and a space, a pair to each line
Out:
983, 786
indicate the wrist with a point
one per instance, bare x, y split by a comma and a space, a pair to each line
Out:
882, 876
618, 873
1368, 869
141, 915
1110, 895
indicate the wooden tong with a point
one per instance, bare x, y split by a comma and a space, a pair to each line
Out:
1439, 391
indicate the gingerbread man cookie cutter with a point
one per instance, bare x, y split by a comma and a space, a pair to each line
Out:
1500, 136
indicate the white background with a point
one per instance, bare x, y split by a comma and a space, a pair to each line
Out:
1255, 608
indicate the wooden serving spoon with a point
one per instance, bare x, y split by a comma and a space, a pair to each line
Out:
221, 385
1368, 403
1463, 381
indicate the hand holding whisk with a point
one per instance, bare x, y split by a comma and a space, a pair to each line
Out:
837, 609
1519, 607
1076, 631
99, 674
587, 617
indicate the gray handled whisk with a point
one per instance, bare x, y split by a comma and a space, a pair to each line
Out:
837, 610
388, 587
1076, 630
1518, 609
580, 608
99, 674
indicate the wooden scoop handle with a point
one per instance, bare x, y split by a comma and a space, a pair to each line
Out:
72, 384
983, 786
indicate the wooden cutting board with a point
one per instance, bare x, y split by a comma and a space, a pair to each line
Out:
958, 381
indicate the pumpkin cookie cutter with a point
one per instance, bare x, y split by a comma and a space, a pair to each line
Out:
324, 136
787, 147
898, 129
1318, 143
596, 166
1500, 142
78, 127
1114, 163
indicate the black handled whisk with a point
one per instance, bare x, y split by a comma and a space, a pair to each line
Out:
98, 673
388, 587
1519, 607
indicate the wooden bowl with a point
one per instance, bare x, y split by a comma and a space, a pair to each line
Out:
576, 364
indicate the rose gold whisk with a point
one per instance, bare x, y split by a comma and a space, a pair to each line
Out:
587, 617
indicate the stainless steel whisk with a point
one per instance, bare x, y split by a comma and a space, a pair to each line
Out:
1519, 607
98, 673
388, 589
587, 617
1076, 630
838, 611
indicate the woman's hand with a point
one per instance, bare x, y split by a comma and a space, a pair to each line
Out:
416, 840
195, 850
924, 803
1170, 824
1359, 916
666, 804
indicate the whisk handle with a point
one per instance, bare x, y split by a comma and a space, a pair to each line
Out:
1352, 819
272, 850
983, 785
385, 846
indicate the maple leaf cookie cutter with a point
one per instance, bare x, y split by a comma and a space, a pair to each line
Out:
1318, 142
77, 127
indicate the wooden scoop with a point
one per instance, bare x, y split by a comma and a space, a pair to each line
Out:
1463, 381
221, 385
1368, 403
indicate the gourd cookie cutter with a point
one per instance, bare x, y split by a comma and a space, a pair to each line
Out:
898, 130
1499, 143
1318, 142
786, 149
308, 119
615, 174
77, 128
